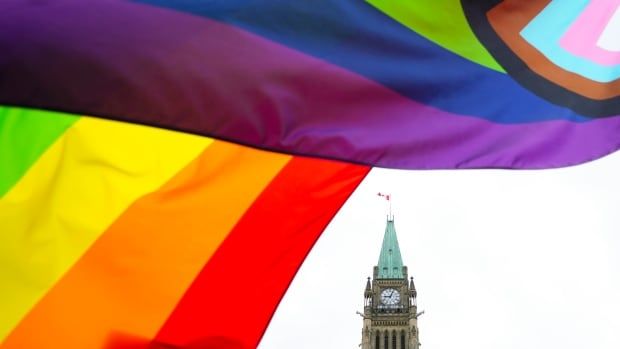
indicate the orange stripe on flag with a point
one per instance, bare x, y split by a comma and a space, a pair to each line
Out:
232, 300
133, 276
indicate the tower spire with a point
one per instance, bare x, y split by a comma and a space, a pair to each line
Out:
390, 264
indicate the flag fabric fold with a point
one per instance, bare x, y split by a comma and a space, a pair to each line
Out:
124, 231
161, 160
333, 79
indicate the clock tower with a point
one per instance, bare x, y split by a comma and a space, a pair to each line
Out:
390, 308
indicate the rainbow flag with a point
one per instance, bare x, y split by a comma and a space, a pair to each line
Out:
153, 150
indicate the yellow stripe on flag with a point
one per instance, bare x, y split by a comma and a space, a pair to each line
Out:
77, 188
129, 281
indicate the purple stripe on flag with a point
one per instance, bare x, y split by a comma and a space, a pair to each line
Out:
209, 78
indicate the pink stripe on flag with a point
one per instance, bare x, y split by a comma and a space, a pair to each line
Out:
582, 36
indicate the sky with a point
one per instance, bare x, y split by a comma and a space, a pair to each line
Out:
501, 259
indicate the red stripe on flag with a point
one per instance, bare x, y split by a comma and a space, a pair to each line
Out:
232, 300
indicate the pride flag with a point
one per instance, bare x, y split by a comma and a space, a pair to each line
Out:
153, 150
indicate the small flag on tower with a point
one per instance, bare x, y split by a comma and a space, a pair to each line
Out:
386, 196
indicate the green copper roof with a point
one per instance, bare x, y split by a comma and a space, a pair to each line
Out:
390, 262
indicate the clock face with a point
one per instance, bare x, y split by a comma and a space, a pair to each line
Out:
390, 296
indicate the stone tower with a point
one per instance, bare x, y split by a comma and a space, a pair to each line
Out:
390, 309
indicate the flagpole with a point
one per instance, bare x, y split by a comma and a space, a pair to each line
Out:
388, 197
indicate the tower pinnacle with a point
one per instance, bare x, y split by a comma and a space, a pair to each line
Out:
390, 264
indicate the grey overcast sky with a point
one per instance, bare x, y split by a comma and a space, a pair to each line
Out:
501, 259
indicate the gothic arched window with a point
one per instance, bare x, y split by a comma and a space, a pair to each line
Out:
393, 339
386, 339
403, 343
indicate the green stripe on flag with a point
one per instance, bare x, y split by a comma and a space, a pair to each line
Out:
442, 22
24, 136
